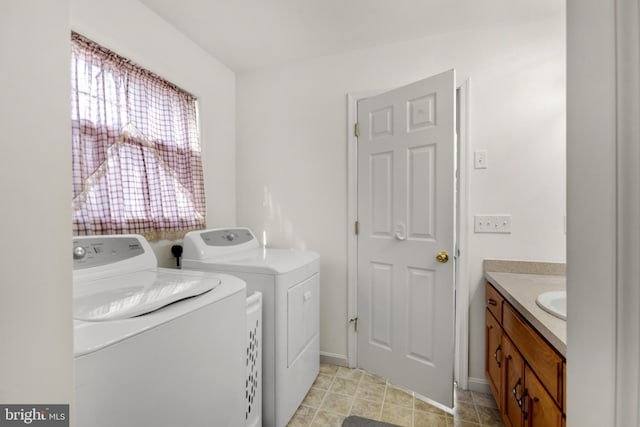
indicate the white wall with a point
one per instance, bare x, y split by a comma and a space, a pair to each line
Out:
292, 149
592, 251
132, 30
36, 356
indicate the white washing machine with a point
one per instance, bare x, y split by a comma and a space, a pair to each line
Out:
253, 362
289, 281
154, 346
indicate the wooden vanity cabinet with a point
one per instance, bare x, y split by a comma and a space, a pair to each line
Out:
539, 408
525, 373
494, 302
513, 384
494, 355
544, 360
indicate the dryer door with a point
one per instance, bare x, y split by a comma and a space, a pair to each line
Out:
303, 309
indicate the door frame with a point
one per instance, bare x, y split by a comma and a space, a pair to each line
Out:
461, 327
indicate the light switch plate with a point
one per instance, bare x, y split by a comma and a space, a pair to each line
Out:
481, 159
492, 224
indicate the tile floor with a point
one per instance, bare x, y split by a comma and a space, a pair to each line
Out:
339, 392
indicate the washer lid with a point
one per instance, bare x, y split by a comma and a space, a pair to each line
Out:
135, 294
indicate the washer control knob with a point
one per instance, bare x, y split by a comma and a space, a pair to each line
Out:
79, 252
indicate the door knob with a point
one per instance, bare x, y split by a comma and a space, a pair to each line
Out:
442, 257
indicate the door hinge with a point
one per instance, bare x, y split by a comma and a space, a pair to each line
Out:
355, 323
356, 227
356, 130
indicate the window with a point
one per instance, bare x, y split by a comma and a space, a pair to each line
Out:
136, 154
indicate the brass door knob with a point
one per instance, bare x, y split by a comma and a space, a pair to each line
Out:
442, 257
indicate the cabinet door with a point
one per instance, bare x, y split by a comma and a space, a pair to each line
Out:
493, 361
542, 358
539, 408
512, 384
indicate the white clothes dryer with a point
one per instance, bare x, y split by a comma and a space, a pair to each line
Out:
154, 346
289, 281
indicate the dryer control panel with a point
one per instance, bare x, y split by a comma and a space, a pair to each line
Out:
96, 251
227, 237
216, 242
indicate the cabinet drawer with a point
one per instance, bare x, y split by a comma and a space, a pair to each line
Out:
494, 302
542, 358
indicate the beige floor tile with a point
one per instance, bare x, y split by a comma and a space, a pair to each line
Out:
338, 403
350, 374
465, 412
373, 392
338, 392
483, 399
303, 417
314, 397
344, 386
428, 419
398, 397
421, 405
323, 381
461, 423
328, 369
366, 408
399, 415
371, 379
489, 417
327, 419
463, 395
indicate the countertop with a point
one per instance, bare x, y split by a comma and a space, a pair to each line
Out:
520, 282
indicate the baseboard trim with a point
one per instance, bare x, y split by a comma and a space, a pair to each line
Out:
333, 359
479, 385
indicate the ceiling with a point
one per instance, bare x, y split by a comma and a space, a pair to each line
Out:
249, 34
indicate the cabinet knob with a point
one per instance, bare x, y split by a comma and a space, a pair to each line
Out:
492, 302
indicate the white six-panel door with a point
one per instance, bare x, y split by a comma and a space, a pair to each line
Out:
405, 296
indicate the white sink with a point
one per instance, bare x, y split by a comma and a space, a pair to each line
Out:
554, 302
